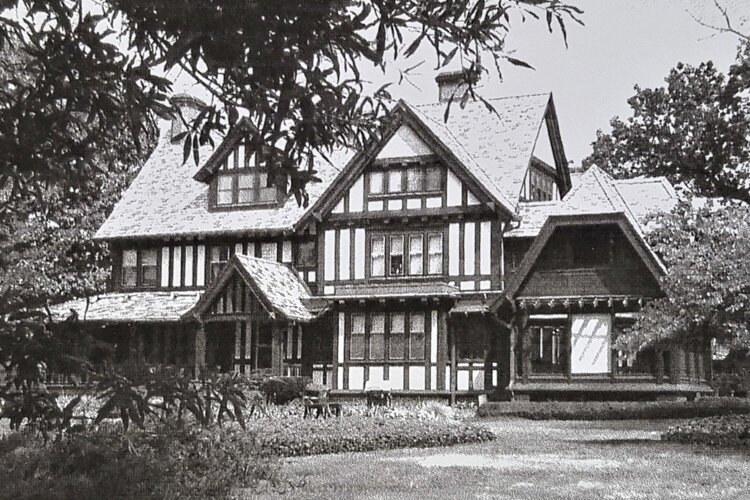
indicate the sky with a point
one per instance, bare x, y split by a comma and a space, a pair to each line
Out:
623, 43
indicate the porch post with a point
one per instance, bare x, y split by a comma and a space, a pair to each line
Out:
276, 354
454, 374
200, 348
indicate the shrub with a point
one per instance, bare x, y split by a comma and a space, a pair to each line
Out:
282, 390
615, 410
729, 430
168, 463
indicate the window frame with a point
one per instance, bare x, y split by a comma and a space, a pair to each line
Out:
385, 238
138, 270
387, 334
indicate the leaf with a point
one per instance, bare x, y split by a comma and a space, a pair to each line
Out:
186, 147
518, 62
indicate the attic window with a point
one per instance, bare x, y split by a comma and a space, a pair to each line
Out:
244, 180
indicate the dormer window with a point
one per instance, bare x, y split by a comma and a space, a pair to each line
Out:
244, 181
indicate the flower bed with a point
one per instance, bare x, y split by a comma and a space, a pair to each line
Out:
288, 434
729, 430
630, 410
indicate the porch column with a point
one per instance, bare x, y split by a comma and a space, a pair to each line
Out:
454, 364
200, 349
276, 353
442, 350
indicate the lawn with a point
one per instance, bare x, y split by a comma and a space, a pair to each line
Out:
536, 459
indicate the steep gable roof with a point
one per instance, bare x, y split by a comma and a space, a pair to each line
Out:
166, 200
500, 143
276, 286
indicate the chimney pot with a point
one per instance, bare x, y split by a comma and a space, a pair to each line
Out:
453, 84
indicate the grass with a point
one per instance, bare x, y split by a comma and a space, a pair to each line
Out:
603, 410
529, 460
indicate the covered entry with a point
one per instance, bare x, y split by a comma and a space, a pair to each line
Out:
253, 317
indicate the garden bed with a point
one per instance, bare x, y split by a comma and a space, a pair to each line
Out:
728, 430
630, 410
287, 434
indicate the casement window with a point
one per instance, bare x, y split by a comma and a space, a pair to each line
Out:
417, 179
219, 258
547, 348
396, 336
244, 182
377, 336
357, 337
306, 256
140, 268
129, 268
416, 254
416, 336
435, 253
397, 255
377, 250
380, 336
541, 186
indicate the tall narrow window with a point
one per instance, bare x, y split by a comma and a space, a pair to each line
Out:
225, 190
396, 337
129, 267
435, 253
394, 181
357, 338
219, 257
416, 254
377, 251
376, 183
149, 276
377, 336
396, 256
416, 336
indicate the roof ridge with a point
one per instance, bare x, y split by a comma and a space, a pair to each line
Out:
491, 99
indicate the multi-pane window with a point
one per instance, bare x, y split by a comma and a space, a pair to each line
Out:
378, 256
416, 254
377, 336
401, 254
416, 179
396, 336
219, 257
225, 190
129, 268
380, 336
546, 348
248, 188
435, 253
416, 336
357, 338
140, 268
306, 254
396, 256
541, 186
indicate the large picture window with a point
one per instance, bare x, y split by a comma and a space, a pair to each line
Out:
397, 255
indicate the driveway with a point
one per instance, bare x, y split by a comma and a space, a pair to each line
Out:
535, 460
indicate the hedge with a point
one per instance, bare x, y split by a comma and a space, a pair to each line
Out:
729, 430
602, 410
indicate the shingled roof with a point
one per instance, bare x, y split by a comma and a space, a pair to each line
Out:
499, 144
128, 307
276, 286
165, 200
596, 192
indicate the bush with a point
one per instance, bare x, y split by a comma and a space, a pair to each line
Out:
288, 434
615, 410
167, 463
730, 430
282, 390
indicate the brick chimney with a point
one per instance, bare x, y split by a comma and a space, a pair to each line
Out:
188, 106
452, 83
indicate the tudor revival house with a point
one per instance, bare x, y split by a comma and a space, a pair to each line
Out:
446, 259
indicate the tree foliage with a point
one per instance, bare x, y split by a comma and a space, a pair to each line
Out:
694, 130
707, 288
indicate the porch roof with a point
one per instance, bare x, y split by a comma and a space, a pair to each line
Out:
276, 286
469, 307
128, 307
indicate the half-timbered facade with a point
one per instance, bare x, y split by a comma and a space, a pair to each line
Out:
445, 258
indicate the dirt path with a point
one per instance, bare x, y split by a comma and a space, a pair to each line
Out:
536, 460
